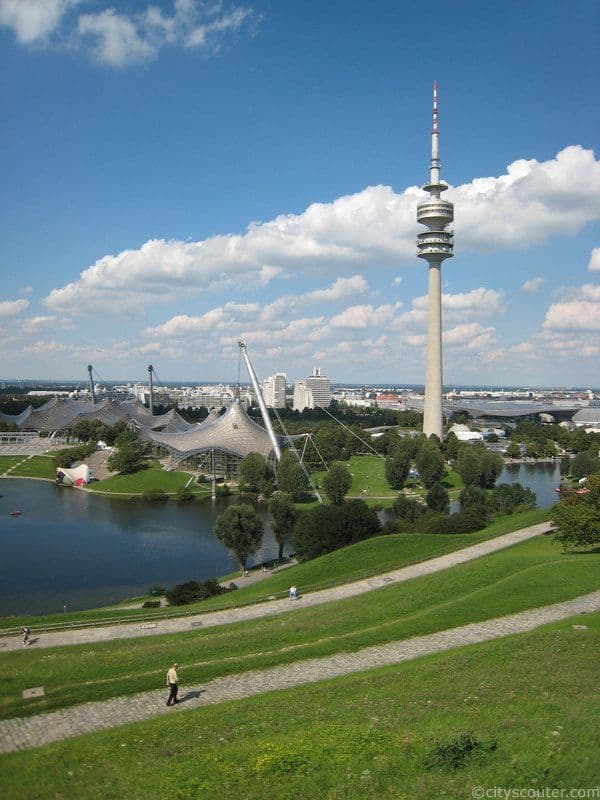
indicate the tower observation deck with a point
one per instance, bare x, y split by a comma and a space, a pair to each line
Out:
434, 245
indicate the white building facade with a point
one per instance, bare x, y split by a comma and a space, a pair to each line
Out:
303, 397
320, 386
273, 390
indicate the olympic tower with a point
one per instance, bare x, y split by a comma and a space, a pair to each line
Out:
434, 245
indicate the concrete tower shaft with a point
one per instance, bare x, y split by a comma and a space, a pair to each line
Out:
434, 245
151, 388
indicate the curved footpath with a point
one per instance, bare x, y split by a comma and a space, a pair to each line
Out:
26, 733
274, 607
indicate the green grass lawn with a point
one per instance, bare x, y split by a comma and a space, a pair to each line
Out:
368, 477
151, 478
371, 557
528, 575
362, 737
453, 481
35, 467
6, 462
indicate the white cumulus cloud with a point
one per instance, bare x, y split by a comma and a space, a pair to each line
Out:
533, 285
33, 20
12, 308
578, 312
594, 265
119, 39
373, 228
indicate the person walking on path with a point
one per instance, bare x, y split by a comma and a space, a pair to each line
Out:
293, 593
172, 682
25, 631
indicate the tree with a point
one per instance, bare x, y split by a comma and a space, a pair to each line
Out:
532, 450
509, 497
492, 465
407, 508
337, 482
87, 430
577, 522
513, 450
430, 463
468, 465
291, 477
472, 496
451, 446
493, 438
323, 529
330, 440
397, 468
438, 499
255, 473
126, 459
584, 464
477, 466
565, 465
240, 529
284, 516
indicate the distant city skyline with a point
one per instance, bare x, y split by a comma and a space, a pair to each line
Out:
185, 176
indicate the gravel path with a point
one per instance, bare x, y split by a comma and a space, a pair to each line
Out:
27, 733
274, 607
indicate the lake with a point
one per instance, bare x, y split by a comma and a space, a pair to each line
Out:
77, 549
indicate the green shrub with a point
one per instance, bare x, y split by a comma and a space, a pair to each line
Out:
472, 519
457, 752
155, 496
151, 604
190, 592
156, 591
184, 495
222, 491
66, 456
509, 497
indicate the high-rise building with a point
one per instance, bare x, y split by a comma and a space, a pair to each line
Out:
320, 386
434, 245
273, 390
303, 397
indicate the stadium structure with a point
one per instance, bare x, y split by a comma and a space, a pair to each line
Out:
215, 446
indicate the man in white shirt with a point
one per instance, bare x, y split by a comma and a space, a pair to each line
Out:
172, 682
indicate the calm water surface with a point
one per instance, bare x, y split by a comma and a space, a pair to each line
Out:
74, 548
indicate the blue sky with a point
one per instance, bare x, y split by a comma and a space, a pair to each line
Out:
180, 174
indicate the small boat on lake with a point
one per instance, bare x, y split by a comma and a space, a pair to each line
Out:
16, 513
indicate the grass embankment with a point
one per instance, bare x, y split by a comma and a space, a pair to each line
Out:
369, 482
7, 462
363, 737
528, 575
368, 477
35, 467
361, 560
152, 478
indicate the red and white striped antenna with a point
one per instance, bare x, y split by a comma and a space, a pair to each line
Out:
435, 111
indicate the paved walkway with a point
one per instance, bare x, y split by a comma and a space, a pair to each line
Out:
274, 607
26, 733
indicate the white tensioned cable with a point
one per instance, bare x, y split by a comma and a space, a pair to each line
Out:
302, 465
352, 432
